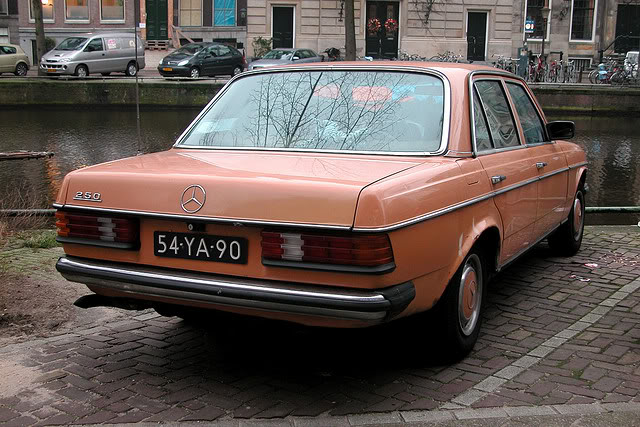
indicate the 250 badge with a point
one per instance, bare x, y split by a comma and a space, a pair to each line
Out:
88, 196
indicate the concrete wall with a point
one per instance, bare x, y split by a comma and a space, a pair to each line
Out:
166, 94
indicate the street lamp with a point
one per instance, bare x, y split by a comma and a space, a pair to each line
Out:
545, 15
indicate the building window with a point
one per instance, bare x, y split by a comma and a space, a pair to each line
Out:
4, 35
534, 11
4, 7
112, 10
582, 19
224, 13
190, 13
47, 11
77, 10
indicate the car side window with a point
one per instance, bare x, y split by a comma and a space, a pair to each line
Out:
532, 126
8, 50
483, 139
501, 124
95, 45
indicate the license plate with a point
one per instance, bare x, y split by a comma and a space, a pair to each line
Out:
167, 69
51, 70
203, 247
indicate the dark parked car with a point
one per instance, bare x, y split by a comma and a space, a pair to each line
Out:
202, 59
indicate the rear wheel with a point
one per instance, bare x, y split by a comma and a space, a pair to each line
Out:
21, 69
567, 239
237, 70
460, 309
132, 69
82, 71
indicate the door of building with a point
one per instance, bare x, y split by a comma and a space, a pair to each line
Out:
476, 36
157, 19
382, 29
627, 28
282, 26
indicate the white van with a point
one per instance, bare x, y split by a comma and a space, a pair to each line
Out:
94, 53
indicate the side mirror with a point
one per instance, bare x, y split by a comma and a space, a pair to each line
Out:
561, 129
295, 58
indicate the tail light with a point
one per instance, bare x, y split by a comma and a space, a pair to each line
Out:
93, 229
343, 250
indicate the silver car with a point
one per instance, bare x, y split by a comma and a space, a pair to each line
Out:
282, 56
95, 53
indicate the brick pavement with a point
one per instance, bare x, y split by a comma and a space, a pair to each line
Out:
560, 338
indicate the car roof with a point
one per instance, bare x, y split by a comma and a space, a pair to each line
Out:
9, 45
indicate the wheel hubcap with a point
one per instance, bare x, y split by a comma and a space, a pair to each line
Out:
470, 295
578, 217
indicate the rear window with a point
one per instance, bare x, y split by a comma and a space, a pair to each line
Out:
326, 110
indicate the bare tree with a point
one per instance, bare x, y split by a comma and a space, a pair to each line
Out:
36, 5
349, 31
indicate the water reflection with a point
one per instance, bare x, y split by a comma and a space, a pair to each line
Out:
86, 137
612, 146
78, 137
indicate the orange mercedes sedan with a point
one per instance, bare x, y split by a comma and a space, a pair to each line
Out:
336, 195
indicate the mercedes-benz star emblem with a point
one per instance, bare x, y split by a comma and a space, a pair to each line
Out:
193, 198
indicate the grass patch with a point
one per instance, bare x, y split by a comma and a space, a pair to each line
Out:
37, 239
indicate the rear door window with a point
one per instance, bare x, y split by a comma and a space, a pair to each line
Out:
498, 114
531, 122
483, 139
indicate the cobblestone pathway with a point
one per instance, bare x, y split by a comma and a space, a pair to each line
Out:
560, 336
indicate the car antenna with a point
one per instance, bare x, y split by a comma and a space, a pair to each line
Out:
135, 43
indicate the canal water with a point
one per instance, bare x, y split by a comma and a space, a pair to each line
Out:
88, 136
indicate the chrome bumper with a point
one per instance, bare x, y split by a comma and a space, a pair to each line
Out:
186, 287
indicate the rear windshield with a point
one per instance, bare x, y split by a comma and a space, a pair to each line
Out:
72, 43
369, 111
278, 54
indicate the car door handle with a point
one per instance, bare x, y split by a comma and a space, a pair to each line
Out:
498, 179
540, 165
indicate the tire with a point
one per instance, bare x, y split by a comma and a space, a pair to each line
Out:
82, 71
21, 70
132, 69
106, 74
593, 77
567, 239
194, 73
237, 70
460, 310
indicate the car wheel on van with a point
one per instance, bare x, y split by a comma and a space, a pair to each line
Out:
132, 69
21, 69
82, 71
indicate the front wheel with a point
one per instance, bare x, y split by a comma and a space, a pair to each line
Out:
194, 73
132, 69
461, 307
567, 239
82, 71
21, 70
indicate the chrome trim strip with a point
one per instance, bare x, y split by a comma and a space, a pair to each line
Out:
425, 217
550, 174
439, 212
578, 165
57, 206
192, 218
279, 291
444, 142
